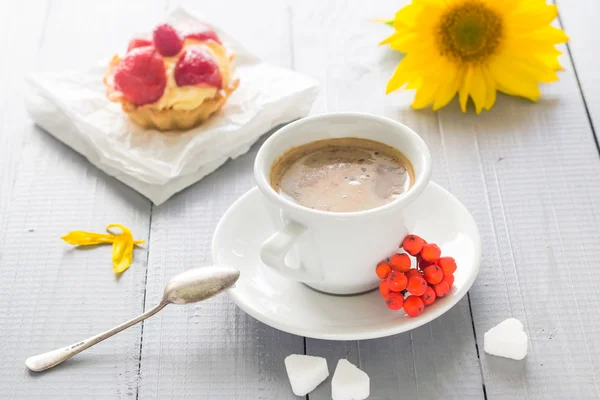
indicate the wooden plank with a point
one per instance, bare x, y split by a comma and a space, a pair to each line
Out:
529, 174
12, 74
336, 42
580, 21
213, 350
50, 294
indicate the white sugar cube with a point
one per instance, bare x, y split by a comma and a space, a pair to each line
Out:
507, 339
349, 382
305, 372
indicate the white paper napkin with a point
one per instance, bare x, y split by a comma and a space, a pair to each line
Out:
72, 106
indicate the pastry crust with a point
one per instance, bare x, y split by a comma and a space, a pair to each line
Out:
168, 119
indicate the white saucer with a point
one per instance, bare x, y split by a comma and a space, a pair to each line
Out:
293, 307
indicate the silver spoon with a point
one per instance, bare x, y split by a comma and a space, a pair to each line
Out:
191, 286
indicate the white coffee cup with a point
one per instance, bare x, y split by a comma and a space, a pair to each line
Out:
336, 252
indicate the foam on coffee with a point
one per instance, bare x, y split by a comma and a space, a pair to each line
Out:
342, 175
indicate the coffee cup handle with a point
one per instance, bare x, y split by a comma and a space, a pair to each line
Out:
275, 248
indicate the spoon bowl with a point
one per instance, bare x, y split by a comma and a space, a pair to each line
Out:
199, 284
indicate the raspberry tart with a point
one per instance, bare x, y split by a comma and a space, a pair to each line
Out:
173, 81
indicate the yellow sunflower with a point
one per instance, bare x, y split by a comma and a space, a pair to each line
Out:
475, 48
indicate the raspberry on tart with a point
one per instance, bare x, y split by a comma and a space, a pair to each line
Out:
141, 76
173, 81
167, 40
138, 42
203, 34
197, 67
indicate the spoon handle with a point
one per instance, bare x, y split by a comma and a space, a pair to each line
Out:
44, 361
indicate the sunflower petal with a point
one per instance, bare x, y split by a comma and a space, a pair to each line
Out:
426, 94
515, 84
531, 67
118, 226
394, 36
407, 16
412, 42
464, 89
122, 252
491, 89
386, 21
82, 238
411, 67
530, 16
448, 89
124, 230
397, 80
550, 34
551, 60
478, 89
504, 6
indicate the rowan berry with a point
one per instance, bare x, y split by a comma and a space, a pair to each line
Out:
383, 270
441, 289
400, 262
413, 306
394, 301
447, 264
430, 252
429, 296
397, 281
433, 274
416, 285
412, 244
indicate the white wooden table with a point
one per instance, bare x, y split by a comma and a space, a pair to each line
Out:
529, 173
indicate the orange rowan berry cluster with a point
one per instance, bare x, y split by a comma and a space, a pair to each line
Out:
415, 288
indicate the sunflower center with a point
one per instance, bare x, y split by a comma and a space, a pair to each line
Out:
469, 32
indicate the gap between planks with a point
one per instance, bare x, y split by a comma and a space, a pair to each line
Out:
139, 376
578, 80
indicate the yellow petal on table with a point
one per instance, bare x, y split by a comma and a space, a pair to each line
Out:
124, 230
81, 238
122, 251
122, 244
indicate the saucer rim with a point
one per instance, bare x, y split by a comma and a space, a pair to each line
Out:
365, 333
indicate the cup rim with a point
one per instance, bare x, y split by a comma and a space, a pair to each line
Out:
421, 180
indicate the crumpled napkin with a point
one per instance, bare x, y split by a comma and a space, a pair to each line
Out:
72, 106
